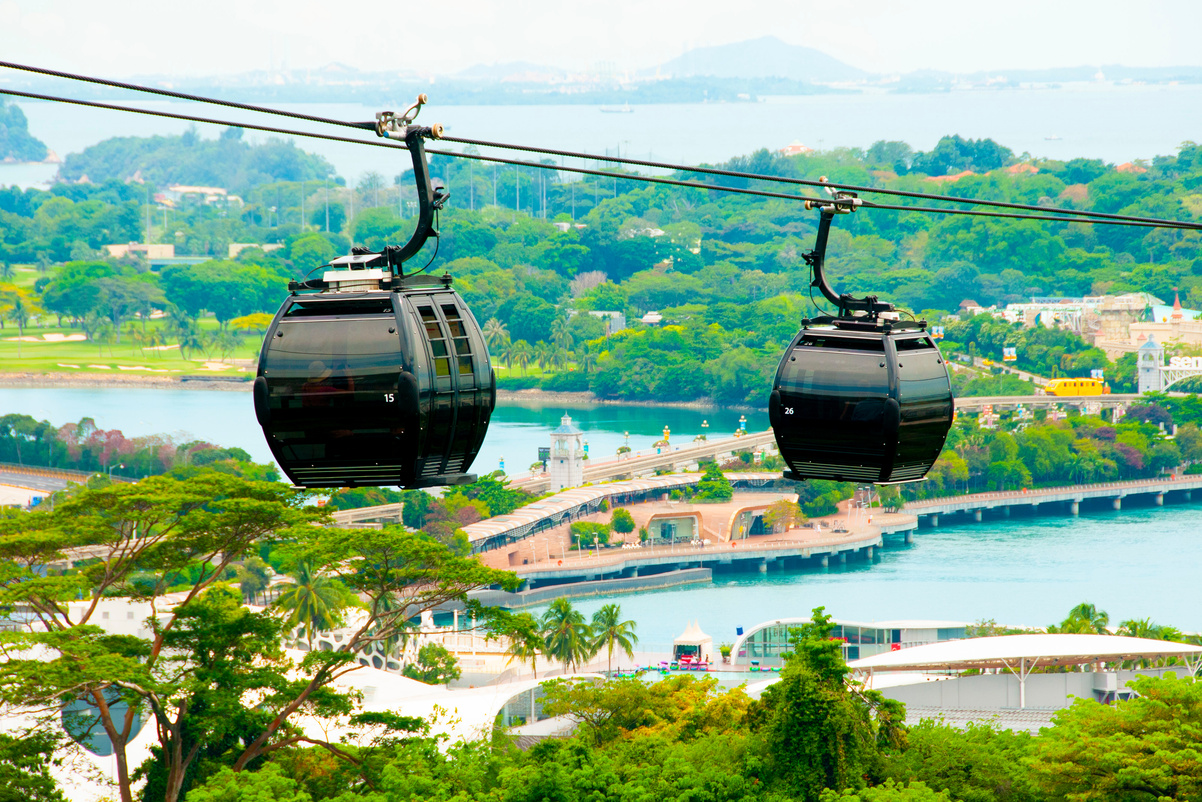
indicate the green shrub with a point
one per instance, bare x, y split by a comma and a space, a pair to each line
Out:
574, 381
623, 521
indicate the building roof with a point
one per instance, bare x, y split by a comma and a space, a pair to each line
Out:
1009, 651
567, 427
558, 505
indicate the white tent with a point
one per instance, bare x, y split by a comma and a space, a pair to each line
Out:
695, 643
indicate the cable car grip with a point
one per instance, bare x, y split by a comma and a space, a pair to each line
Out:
429, 198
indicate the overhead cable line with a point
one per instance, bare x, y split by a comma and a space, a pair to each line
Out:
1135, 222
170, 115
90, 79
846, 203
1042, 210
806, 182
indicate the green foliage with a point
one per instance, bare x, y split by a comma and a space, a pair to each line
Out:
435, 665
16, 143
353, 498
585, 533
977, 764
567, 638
25, 763
188, 159
609, 631
953, 154
819, 733
623, 521
714, 485
210, 672
313, 601
269, 784
1144, 748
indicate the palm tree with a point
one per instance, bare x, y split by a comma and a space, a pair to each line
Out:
315, 602
521, 354
544, 354
567, 637
1085, 618
585, 360
18, 312
561, 334
508, 353
608, 632
495, 333
525, 651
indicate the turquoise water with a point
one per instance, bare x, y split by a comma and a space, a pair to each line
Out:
227, 418
1141, 562
1088, 120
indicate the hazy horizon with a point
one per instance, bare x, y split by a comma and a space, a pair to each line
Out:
881, 36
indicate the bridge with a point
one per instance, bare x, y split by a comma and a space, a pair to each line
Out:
1068, 498
372, 517
646, 463
976, 403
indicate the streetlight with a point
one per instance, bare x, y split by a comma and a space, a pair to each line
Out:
121, 466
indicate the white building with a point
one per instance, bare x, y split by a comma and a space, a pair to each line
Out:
567, 456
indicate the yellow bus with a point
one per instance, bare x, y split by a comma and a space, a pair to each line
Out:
1076, 387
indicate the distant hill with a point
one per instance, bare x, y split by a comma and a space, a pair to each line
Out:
16, 144
225, 162
767, 57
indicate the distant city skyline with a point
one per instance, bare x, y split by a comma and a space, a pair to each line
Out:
880, 36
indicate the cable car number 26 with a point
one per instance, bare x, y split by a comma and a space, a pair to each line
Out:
788, 410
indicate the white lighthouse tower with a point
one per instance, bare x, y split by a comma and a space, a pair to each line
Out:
1148, 364
567, 456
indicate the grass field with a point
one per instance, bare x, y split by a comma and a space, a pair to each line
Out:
59, 350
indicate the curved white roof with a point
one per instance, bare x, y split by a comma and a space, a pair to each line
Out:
1009, 650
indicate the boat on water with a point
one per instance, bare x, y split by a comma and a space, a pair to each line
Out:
623, 109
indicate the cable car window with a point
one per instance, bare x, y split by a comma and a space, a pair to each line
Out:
330, 367
357, 307
834, 373
438, 342
914, 344
921, 376
845, 343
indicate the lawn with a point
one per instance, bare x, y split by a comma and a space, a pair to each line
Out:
59, 350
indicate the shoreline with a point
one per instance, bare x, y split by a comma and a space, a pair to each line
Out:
549, 397
92, 381
228, 384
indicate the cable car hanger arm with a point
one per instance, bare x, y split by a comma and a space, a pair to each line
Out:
429, 198
841, 202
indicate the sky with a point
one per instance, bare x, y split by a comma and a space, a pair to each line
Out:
218, 37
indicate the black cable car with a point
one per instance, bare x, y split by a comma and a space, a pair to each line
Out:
371, 377
862, 398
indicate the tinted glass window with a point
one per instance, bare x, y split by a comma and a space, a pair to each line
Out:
325, 308
836, 398
874, 344
921, 375
914, 344
831, 372
332, 388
